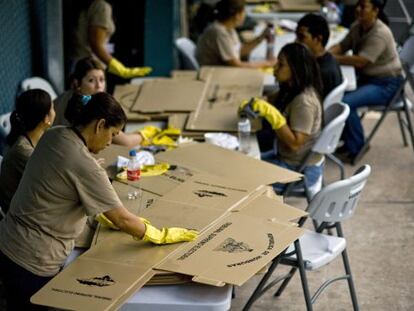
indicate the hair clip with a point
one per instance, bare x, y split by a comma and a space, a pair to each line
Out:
86, 99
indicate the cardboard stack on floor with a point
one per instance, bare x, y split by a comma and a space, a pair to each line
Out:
196, 103
221, 193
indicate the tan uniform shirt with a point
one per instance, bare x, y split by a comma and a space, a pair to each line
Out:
12, 168
378, 46
61, 102
61, 185
98, 14
304, 115
216, 45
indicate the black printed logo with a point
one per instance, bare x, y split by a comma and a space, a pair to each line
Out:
209, 194
232, 246
102, 281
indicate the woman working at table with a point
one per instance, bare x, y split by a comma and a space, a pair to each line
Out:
219, 45
88, 78
61, 186
378, 65
300, 122
32, 116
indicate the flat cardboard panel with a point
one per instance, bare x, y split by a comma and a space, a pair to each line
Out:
231, 165
89, 284
184, 74
233, 250
299, 5
169, 95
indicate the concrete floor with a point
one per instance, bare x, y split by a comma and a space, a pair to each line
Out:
380, 238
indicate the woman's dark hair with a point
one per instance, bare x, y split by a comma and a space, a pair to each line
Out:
380, 5
82, 110
305, 73
317, 26
32, 107
228, 8
82, 67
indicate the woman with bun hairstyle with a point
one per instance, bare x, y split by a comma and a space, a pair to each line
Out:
33, 115
62, 185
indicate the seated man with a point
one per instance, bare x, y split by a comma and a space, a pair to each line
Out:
313, 31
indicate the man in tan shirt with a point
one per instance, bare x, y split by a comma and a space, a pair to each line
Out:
376, 60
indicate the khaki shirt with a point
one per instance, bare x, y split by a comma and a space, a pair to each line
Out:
98, 14
304, 115
378, 46
217, 45
12, 168
61, 185
61, 102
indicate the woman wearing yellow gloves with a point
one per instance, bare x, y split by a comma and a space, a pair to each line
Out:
299, 125
88, 78
94, 28
61, 186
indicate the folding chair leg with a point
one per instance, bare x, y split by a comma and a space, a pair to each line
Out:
285, 282
338, 163
409, 122
348, 272
303, 278
401, 123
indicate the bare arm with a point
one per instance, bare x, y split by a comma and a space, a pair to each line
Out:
247, 47
336, 49
256, 64
97, 39
126, 221
127, 139
294, 140
357, 61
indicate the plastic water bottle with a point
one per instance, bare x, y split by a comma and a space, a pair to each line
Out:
244, 128
270, 48
133, 175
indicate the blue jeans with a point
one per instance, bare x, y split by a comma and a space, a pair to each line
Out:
312, 172
371, 92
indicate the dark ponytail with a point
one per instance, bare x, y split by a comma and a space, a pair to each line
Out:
83, 109
31, 108
225, 9
380, 5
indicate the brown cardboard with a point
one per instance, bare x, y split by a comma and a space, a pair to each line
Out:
169, 96
233, 250
184, 74
231, 165
299, 5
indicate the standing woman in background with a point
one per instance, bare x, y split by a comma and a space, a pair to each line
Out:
378, 65
89, 79
62, 185
94, 28
32, 116
219, 45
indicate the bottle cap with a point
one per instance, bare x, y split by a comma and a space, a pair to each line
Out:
132, 153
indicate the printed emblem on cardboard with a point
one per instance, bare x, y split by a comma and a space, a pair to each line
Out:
232, 246
102, 281
207, 193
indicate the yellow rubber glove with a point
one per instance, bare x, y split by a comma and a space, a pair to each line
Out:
149, 131
168, 235
154, 170
117, 68
164, 138
103, 220
267, 111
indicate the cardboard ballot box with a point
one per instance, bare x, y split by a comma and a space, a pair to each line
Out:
242, 228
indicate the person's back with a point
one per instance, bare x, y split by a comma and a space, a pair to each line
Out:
331, 74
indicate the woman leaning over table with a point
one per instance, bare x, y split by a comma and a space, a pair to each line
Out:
61, 186
88, 78
219, 44
295, 113
32, 116
376, 60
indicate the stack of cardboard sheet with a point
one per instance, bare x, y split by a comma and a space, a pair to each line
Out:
195, 102
221, 193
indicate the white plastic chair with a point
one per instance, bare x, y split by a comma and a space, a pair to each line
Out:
186, 49
5, 125
332, 205
38, 83
335, 117
336, 95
